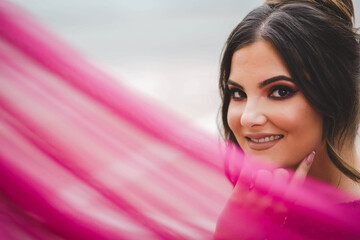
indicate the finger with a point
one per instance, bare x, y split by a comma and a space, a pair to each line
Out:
280, 179
246, 176
263, 183
278, 187
247, 197
242, 187
263, 180
280, 176
303, 169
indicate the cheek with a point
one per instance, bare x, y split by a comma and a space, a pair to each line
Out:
310, 131
303, 119
304, 127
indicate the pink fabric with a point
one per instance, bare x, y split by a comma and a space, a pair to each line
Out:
82, 157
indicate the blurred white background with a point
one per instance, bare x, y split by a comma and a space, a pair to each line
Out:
167, 50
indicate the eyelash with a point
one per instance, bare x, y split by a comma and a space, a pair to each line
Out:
290, 92
232, 92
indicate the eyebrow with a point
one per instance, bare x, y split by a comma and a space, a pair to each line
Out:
263, 83
235, 84
274, 79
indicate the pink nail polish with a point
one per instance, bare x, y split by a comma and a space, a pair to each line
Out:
310, 158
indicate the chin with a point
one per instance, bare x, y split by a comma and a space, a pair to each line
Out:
276, 160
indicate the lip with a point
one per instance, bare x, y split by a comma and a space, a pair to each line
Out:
259, 146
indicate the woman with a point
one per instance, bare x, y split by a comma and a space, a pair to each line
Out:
289, 82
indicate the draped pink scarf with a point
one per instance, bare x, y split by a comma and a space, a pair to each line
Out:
82, 157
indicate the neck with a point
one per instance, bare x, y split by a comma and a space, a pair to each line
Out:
325, 170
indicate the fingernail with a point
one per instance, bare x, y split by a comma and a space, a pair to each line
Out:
310, 158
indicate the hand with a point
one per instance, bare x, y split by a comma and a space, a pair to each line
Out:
257, 194
253, 198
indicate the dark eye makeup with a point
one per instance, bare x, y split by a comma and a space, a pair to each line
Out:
278, 92
281, 92
236, 93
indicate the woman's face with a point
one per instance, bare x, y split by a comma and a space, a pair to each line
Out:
269, 116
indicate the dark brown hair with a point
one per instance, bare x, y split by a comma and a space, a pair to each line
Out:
320, 48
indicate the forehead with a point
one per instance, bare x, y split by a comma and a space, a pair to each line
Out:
257, 61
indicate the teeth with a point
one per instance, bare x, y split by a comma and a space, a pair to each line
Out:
265, 139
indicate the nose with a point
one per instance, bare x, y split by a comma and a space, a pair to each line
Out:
253, 115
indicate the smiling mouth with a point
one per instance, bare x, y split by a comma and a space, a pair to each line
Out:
265, 139
260, 143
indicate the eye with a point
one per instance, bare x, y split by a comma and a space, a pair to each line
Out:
281, 92
237, 94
